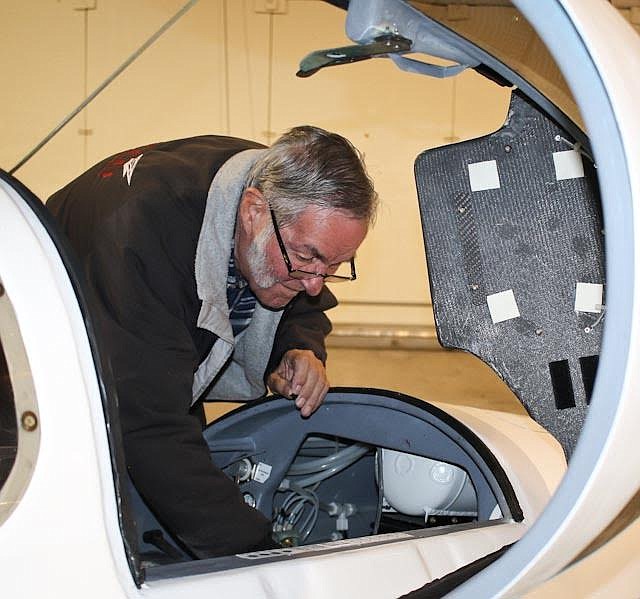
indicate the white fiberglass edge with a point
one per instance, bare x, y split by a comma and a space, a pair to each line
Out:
532, 458
598, 54
66, 523
377, 572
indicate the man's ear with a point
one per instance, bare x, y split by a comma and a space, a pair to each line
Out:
252, 209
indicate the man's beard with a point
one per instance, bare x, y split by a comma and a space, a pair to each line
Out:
261, 272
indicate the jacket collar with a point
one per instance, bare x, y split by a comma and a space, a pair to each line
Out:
214, 244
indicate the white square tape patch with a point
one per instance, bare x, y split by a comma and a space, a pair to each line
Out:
588, 297
568, 165
483, 175
503, 306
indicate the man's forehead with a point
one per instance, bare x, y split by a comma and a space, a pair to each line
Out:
327, 233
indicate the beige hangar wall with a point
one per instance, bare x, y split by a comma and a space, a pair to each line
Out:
225, 67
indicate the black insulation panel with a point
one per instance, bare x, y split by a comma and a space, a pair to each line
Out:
536, 235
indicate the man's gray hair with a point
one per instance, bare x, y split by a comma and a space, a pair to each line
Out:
311, 167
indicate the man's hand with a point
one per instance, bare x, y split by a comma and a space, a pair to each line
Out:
301, 373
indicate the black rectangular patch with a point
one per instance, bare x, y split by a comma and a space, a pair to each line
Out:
588, 367
562, 386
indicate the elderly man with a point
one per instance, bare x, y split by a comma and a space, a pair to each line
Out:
206, 259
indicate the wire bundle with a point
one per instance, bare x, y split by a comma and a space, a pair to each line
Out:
299, 511
289, 519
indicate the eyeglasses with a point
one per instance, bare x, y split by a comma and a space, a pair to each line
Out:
296, 273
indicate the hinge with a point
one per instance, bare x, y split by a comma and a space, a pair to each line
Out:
84, 4
272, 7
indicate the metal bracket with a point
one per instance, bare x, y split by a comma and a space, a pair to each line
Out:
389, 28
425, 68
366, 19
383, 45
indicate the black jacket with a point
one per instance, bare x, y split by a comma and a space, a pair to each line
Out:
134, 220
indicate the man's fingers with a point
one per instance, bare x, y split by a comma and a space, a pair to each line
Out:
313, 390
279, 384
314, 400
302, 377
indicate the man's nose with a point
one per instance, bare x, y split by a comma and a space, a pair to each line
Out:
313, 285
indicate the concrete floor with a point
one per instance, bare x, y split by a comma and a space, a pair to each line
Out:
431, 375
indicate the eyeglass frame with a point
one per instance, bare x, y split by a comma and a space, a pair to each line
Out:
293, 271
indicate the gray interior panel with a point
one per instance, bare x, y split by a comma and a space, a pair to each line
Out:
297, 470
273, 432
510, 221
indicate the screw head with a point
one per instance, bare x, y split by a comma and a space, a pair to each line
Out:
29, 421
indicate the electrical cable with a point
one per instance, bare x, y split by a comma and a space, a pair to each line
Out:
445, 511
320, 464
300, 509
380, 480
311, 479
292, 510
